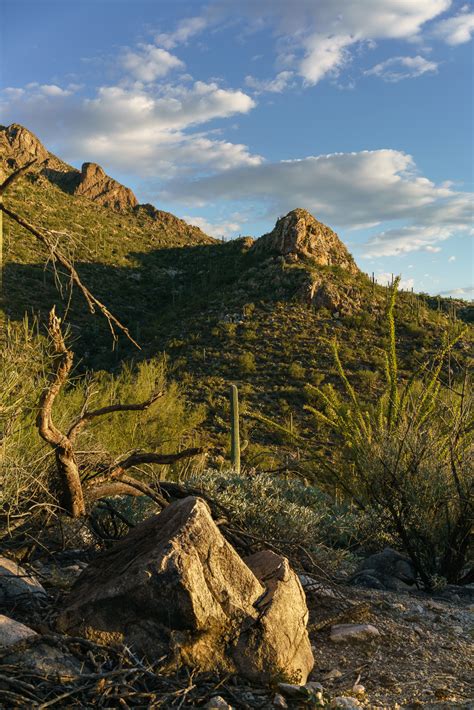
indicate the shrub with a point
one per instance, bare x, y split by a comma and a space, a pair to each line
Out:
285, 513
246, 363
296, 371
406, 460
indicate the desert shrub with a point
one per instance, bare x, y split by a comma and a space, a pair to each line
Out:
286, 513
296, 371
27, 463
405, 460
246, 362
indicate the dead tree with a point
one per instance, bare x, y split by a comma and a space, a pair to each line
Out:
74, 494
56, 256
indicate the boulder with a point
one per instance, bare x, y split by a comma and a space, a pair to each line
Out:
388, 569
278, 642
13, 632
175, 586
17, 587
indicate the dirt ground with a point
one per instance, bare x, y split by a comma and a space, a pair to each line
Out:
423, 657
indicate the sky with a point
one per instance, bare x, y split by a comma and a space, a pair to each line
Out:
230, 114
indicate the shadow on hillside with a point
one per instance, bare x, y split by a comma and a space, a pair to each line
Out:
154, 297
66, 181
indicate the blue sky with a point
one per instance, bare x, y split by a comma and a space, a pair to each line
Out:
230, 114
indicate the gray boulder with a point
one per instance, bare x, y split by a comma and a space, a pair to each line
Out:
174, 586
388, 569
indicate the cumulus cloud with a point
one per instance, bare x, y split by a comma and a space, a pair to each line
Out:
455, 30
352, 190
466, 292
385, 278
316, 39
398, 68
276, 85
220, 228
185, 29
150, 62
139, 130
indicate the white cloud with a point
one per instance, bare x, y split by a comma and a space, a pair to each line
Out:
146, 131
402, 240
350, 190
466, 292
455, 30
186, 29
452, 258
276, 85
150, 62
385, 278
315, 38
221, 228
398, 68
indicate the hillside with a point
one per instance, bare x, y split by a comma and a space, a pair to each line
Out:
257, 312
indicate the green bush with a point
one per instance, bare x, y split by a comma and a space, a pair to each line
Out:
246, 362
405, 460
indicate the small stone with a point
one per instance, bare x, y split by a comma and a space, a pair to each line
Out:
344, 703
353, 632
279, 701
457, 630
12, 632
314, 687
218, 703
333, 674
358, 689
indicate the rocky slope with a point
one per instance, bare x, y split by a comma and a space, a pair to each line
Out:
299, 235
258, 312
99, 187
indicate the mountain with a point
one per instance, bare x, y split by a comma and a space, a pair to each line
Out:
260, 312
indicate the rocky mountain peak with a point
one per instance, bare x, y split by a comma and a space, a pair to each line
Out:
99, 187
299, 234
18, 146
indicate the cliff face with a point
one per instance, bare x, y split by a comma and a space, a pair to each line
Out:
299, 234
18, 146
99, 187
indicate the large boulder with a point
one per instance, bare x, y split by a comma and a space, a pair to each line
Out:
174, 586
278, 640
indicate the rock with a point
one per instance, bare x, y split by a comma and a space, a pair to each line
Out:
344, 703
299, 234
279, 701
358, 689
99, 187
314, 687
353, 632
17, 587
175, 586
13, 632
333, 674
18, 146
278, 643
388, 569
218, 703
48, 660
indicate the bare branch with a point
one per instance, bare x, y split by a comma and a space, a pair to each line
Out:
13, 176
88, 415
57, 255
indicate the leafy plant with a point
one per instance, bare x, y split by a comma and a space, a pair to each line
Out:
406, 458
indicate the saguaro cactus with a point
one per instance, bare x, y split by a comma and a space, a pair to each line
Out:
234, 429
